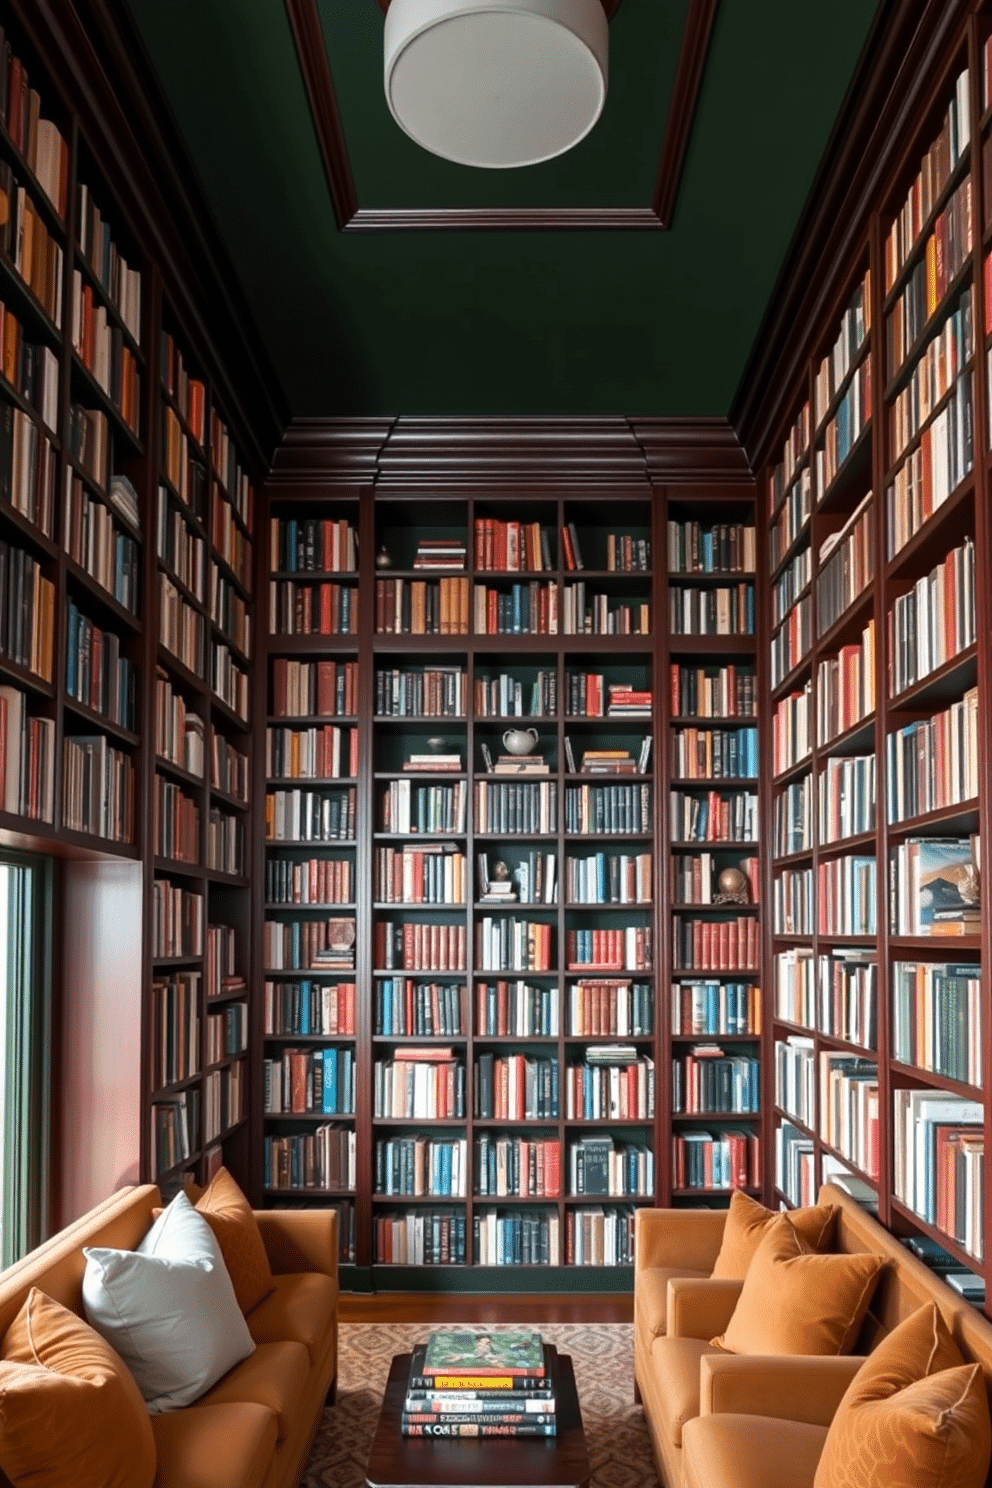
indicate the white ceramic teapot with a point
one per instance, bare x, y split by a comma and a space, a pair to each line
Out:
520, 741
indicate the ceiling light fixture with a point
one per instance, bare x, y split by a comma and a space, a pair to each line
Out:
496, 83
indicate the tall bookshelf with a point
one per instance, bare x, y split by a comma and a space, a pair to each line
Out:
110, 561
506, 906
876, 517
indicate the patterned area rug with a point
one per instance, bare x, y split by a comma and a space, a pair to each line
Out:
603, 1359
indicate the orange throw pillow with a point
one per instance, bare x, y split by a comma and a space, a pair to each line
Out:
914, 1413
794, 1302
747, 1224
229, 1215
70, 1411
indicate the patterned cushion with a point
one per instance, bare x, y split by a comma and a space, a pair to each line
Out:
229, 1215
748, 1222
914, 1416
792, 1302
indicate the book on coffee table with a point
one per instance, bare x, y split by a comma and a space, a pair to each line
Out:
473, 1401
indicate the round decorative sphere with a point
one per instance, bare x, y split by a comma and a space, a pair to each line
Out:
436, 744
496, 83
733, 882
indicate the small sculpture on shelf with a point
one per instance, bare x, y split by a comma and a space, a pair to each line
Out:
382, 558
732, 887
520, 741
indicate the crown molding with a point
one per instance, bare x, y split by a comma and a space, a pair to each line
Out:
308, 38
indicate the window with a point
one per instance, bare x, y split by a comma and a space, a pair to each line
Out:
25, 1043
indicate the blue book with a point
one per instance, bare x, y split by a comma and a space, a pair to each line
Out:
330, 1082
305, 1007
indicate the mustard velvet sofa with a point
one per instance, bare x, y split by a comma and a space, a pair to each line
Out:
254, 1428
720, 1420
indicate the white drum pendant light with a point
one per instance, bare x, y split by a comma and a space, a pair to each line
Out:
496, 83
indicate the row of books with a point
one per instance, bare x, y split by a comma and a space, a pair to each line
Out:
229, 612
416, 946
417, 1167
309, 1008
606, 1089
179, 548
711, 692
845, 687
323, 1160
512, 547
433, 874
503, 696
712, 1007
220, 962
27, 618
609, 878
936, 168
309, 880
93, 540
181, 467
32, 369
792, 641
846, 566
312, 609
100, 344
939, 365
848, 1114
421, 1084
836, 992
27, 467
846, 797
933, 763
120, 282
405, 1008
175, 1012
96, 674
791, 582
225, 842
711, 611
835, 367
312, 545
304, 945
726, 547
608, 810
714, 817
793, 517
310, 816
792, 737
224, 1099
429, 692
792, 817
795, 447
844, 430
227, 1031
181, 629
229, 541
314, 689
714, 754
585, 613
716, 1161
27, 244
938, 1161
229, 680
301, 1081
715, 945
405, 807
519, 1167
599, 1165
179, 732
936, 467
177, 920
947, 250
97, 789
187, 392
515, 1087
694, 877
934, 887
322, 752
707, 1080
934, 621
843, 902
936, 1018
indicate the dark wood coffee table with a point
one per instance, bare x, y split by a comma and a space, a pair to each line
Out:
398, 1461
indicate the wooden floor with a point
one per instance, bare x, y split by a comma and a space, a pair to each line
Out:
416, 1307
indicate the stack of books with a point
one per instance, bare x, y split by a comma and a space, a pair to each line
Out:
436, 763
609, 761
339, 953
515, 764
440, 552
628, 702
468, 1383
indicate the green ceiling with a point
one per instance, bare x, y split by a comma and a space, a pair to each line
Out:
620, 322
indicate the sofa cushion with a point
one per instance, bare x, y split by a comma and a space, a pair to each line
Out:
228, 1213
274, 1375
214, 1446
676, 1365
792, 1302
652, 1295
70, 1412
751, 1452
914, 1412
300, 1307
747, 1225
168, 1308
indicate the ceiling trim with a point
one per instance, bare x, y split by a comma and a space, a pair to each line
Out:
304, 22
613, 455
610, 6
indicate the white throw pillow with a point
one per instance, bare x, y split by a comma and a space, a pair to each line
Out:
168, 1308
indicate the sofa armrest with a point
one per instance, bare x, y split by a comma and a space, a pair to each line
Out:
300, 1239
800, 1388
700, 1308
678, 1237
